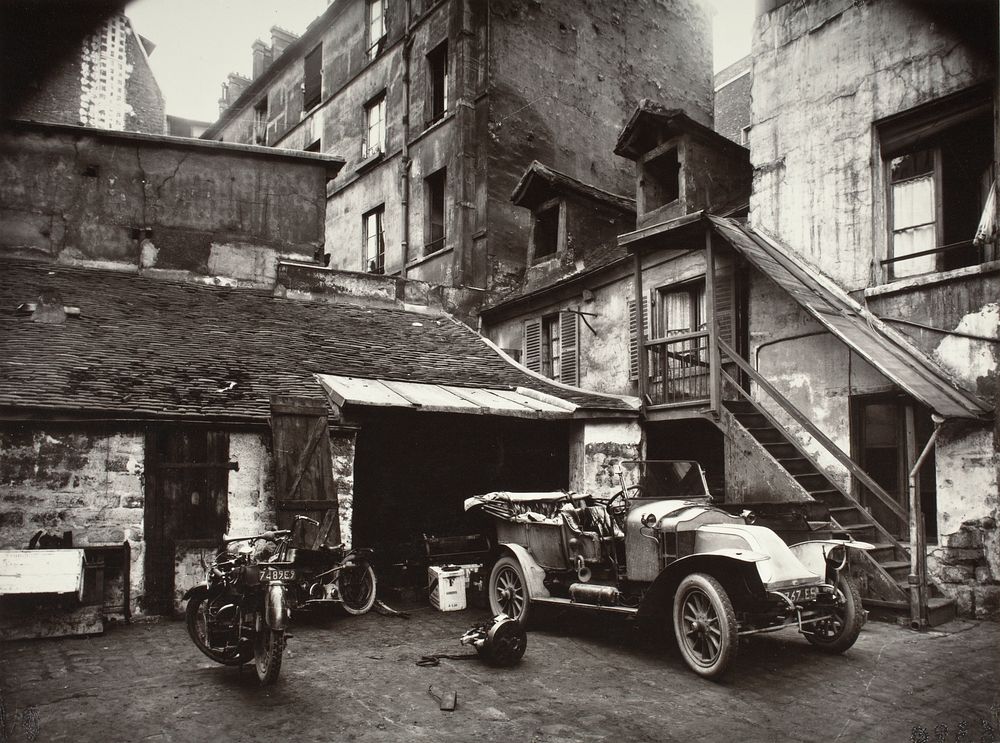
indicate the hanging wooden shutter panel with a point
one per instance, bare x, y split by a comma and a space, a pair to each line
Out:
633, 346
569, 349
303, 466
725, 297
533, 344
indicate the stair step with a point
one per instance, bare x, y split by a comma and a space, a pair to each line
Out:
939, 610
820, 525
798, 466
740, 406
894, 566
825, 493
844, 509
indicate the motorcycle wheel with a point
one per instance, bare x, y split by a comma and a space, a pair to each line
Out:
197, 627
268, 646
357, 588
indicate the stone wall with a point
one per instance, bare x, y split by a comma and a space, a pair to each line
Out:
84, 479
107, 84
595, 448
163, 206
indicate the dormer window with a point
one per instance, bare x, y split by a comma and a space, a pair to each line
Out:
547, 231
661, 180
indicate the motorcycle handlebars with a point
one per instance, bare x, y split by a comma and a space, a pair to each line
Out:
270, 536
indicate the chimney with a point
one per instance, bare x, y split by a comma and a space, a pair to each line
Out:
261, 57
232, 88
280, 39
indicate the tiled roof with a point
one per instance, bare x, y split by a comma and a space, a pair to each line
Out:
149, 347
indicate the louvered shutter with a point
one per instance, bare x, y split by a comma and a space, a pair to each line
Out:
533, 344
569, 349
725, 297
633, 346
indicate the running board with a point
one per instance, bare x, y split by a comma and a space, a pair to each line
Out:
553, 601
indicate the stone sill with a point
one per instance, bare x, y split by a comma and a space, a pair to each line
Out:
920, 282
429, 257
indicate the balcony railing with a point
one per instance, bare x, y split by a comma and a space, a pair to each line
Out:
678, 369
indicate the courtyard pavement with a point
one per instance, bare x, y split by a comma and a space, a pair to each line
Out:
592, 679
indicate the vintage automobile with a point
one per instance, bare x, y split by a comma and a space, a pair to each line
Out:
659, 550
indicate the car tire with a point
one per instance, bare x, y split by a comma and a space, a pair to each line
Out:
840, 632
509, 590
705, 625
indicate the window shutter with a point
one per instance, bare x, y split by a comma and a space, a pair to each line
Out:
569, 349
312, 86
725, 297
633, 346
533, 344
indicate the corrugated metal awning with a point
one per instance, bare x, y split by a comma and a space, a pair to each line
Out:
880, 346
444, 398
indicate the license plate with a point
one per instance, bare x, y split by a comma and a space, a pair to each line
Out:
798, 595
269, 573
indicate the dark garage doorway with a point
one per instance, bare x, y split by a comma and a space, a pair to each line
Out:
414, 470
693, 439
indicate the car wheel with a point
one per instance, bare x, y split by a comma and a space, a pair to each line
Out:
705, 625
839, 632
509, 590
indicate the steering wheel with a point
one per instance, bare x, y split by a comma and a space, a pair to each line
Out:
617, 505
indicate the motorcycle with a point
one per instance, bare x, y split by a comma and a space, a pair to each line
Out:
241, 612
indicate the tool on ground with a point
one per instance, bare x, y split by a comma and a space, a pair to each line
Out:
447, 701
500, 642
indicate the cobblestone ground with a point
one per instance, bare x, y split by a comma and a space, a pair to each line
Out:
354, 679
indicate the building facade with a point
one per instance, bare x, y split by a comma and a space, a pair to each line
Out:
883, 186
438, 108
108, 84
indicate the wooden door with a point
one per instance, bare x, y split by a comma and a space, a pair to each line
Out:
187, 487
878, 426
304, 468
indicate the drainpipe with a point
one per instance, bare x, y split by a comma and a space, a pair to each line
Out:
917, 579
405, 162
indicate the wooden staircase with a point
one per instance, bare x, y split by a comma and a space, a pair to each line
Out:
884, 581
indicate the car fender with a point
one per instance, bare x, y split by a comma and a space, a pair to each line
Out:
813, 554
735, 569
534, 574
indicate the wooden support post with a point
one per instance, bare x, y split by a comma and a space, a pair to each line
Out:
640, 320
917, 579
714, 379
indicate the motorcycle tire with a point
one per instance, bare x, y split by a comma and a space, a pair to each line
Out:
268, 646
357, 587
197, 629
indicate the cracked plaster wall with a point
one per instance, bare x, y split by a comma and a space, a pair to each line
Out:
79, 198
823, 72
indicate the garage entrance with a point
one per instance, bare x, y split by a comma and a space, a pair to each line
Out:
413, 470
695, 439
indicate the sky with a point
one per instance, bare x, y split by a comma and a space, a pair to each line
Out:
199, 42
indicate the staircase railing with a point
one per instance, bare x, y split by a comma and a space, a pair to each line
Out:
863, 477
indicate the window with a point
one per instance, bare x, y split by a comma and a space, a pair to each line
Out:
661, 179
682, 309
437, 83
938, 168
545, 234
260, 122
312, 85
376, 27
434, 221
374, 127
551, 346
374, 240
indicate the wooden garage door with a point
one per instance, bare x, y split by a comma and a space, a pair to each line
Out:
303, 467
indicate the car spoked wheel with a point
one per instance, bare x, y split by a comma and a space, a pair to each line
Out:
508, 590
840, 630
705, 625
